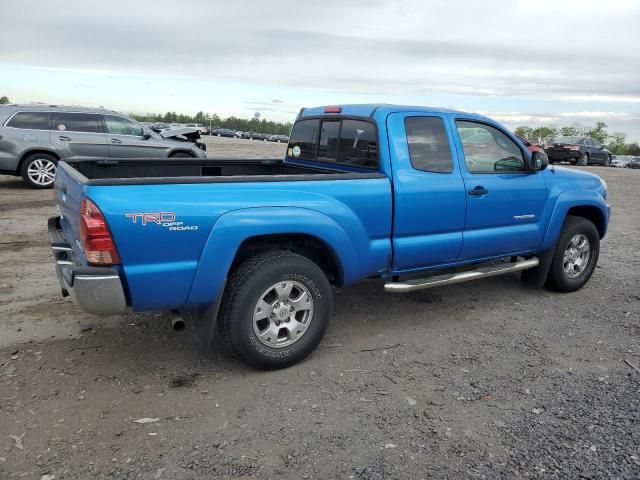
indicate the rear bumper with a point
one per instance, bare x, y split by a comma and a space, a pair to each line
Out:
566, 155
96, 290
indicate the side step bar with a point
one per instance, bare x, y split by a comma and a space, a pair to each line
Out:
440, 280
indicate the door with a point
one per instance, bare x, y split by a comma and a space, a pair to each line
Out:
429, 194
596, 151
505, 202
128, 139
78, 135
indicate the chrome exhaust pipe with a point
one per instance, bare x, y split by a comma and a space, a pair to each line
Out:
177, 321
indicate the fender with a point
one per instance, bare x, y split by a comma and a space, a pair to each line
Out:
566, 201
236, 226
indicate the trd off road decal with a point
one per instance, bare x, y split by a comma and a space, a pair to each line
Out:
164, 219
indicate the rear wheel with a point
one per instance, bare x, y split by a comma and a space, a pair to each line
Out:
576, 255
583, 160
275, 310
39, 170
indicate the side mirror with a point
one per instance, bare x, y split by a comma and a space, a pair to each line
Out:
146, 135
539, 161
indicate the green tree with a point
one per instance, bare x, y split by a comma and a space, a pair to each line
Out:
599, 132
569, 131
524, 132
542, 135
4, 100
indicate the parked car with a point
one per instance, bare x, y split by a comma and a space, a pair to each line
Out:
530, 146
223, 132
621, 161
278, 138
159, 126
201, 128
252, 247
578, 151
635, 163
254, 135
33, 138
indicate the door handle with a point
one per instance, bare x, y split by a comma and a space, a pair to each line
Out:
64, 139
479, 190
115, 140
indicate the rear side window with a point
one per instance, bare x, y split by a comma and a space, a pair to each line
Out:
429, 147
76, 122
347, 142
358, 144
30, 120
302, 143
328, 146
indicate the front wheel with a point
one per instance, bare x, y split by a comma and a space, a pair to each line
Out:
607, 161
276, 309
576, 255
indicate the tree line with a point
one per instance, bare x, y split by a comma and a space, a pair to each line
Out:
234, 123
615, 142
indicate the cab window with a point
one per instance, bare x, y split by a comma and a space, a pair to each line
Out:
488, 150
302, 143
429, 148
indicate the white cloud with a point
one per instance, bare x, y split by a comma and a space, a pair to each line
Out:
499, 55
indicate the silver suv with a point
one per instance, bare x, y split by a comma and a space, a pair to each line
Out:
34, 137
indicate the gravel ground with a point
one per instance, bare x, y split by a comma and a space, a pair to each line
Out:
480, 380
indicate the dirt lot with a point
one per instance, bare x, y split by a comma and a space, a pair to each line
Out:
479, 380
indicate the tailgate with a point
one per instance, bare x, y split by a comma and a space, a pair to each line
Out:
69, 189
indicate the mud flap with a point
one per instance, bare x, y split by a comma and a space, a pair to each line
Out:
204, 324
536, 277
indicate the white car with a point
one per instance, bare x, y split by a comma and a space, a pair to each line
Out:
198, 126
621, 161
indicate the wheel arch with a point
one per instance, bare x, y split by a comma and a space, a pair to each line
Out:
176, 151
33, 151
239, 233
592, 213
309, 246
580, 203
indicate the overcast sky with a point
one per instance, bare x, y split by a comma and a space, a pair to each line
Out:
551, 62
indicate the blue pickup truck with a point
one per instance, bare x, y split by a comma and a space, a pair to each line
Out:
420, 197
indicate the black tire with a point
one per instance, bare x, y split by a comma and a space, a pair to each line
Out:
558, 279
607, 161
245, 289
46, 159
583, 161
180, 155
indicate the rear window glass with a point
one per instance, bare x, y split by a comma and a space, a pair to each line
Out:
30, 120
328, 146
429, 147
76, 122
347, 142
302, 143
358, 144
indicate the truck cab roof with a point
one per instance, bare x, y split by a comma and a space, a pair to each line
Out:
372, 109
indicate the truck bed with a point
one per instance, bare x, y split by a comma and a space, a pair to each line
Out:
166, 170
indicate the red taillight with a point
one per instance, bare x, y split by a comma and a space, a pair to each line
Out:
333, 109
99, 247
547, 146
